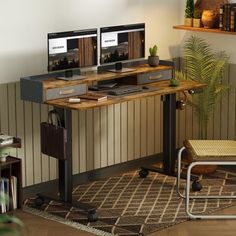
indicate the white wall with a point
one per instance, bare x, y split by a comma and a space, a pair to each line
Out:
219, 42
24, 26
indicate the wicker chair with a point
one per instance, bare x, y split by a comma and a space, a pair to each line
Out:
206, 152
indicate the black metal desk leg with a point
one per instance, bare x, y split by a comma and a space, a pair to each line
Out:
169, 138
65, 172
65, 167
169, 133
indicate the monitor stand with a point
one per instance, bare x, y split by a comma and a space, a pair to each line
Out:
69, 75
120, 69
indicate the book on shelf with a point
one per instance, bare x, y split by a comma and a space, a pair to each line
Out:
232, 19
227, 17
2, 197
221, 16
94, 96
8, 194
6, 139
13, 183
5, 195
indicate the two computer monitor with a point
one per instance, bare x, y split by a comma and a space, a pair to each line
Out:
77, 49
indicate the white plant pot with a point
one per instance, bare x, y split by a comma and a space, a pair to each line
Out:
3, 158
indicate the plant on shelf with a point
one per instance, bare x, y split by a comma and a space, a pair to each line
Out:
153, 59
4, 152
189, 11
197, 18
203, 65
9, 225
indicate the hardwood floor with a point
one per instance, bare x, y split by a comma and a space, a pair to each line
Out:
38, 226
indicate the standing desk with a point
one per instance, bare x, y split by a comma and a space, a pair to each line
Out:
157, 77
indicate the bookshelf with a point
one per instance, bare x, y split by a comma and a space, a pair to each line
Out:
215, 31
12, 167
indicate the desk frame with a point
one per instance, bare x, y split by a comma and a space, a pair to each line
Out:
169, 146
35, 88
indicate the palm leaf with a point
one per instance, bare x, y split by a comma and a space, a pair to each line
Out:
204, 65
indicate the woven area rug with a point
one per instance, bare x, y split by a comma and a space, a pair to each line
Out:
129, 205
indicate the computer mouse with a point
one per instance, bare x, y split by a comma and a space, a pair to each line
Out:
145, 87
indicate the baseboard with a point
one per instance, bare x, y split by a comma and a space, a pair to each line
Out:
51, 187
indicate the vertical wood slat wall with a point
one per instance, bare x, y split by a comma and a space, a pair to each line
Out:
108, 135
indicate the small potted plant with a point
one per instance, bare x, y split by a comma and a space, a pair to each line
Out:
197, 18
174, 82
4, 152
153, 59
189, 10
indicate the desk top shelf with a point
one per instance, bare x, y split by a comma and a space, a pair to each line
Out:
215, 31
163, 87
56, 92
94, 76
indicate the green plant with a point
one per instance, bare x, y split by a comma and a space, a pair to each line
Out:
153, 51
203, 65
9, 225
189, 9
4, 152
174, 82
197, 14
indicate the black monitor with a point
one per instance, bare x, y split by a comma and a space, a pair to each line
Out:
71, 50
122, 43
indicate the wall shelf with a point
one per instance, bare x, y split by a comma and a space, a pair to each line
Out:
216, 31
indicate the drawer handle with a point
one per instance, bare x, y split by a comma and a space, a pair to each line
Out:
66, 92
155, 77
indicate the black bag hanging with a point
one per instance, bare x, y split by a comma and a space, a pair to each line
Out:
53, 137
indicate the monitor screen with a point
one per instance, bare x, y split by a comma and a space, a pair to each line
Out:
120, 43
72, 49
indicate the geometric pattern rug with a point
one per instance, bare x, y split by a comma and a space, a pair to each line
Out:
128, 205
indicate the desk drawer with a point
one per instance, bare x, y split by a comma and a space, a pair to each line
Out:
154, 76
67, 91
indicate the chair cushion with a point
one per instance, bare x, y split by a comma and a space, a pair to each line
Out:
211, 150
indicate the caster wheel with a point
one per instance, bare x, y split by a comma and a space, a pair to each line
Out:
143, 173
196, 186
39, 201
92, 217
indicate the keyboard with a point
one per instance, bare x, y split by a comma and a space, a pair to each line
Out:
125, 90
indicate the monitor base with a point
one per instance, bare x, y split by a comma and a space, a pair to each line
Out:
69, 75
74, 77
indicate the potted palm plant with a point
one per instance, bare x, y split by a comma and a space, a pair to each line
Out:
205, 66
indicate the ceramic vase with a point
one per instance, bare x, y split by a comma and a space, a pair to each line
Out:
209, 18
